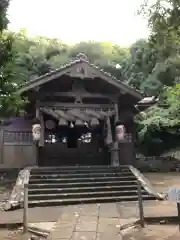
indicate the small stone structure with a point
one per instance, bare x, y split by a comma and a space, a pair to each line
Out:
17, 195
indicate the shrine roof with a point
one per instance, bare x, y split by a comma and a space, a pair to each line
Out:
80, 59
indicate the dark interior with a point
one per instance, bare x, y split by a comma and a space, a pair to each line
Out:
77, 145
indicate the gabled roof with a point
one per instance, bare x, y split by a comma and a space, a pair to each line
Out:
81, 59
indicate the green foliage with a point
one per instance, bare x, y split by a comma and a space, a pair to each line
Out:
3, 16
11, 77
164, 118
162, 121
11, 74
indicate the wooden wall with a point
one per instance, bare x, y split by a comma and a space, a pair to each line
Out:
16, 149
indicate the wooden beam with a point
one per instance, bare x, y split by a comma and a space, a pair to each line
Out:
44, 104
75, 94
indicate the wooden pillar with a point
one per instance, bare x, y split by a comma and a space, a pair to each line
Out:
37, 143
1, 144
109, 133
133, 140
37, 110
41, 141
115, 150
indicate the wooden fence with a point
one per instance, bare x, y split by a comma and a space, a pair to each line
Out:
16, 149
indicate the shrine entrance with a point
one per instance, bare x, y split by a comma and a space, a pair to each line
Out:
77, 107
73, 145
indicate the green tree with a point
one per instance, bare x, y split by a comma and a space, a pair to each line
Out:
10, 74
162, 121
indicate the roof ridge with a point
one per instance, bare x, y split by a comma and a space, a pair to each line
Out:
81, 57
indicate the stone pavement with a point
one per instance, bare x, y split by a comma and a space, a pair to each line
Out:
39, 214
125, 209
89, 222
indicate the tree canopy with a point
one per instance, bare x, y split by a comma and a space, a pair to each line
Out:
161, 122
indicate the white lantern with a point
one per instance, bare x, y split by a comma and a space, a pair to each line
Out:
120, 132
36, 132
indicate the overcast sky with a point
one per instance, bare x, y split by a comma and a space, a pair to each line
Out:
80, 20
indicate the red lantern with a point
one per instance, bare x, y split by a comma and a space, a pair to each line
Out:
120, 132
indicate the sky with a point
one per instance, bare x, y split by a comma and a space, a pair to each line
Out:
80, 20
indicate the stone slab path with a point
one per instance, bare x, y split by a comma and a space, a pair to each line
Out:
89, 222
39, 214
125, 210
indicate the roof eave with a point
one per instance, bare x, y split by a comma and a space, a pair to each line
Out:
61, 71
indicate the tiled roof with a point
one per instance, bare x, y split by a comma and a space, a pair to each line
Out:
80, 59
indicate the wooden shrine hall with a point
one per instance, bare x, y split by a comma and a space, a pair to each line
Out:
78, 107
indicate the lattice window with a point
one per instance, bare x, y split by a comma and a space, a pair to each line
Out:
18, 137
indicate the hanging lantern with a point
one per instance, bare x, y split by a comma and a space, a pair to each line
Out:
79, 122
94, 122
120, 132
63, 122
36, 132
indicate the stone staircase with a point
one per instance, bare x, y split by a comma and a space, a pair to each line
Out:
51, 186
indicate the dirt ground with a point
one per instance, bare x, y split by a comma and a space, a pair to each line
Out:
162, 181
17, 235
153, 232
12, 235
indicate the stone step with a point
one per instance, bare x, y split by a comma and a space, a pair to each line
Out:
81, 167
89, 194
59, 202
78, 175
82, 189
87, 179
81, 184
51, 186
78, 170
